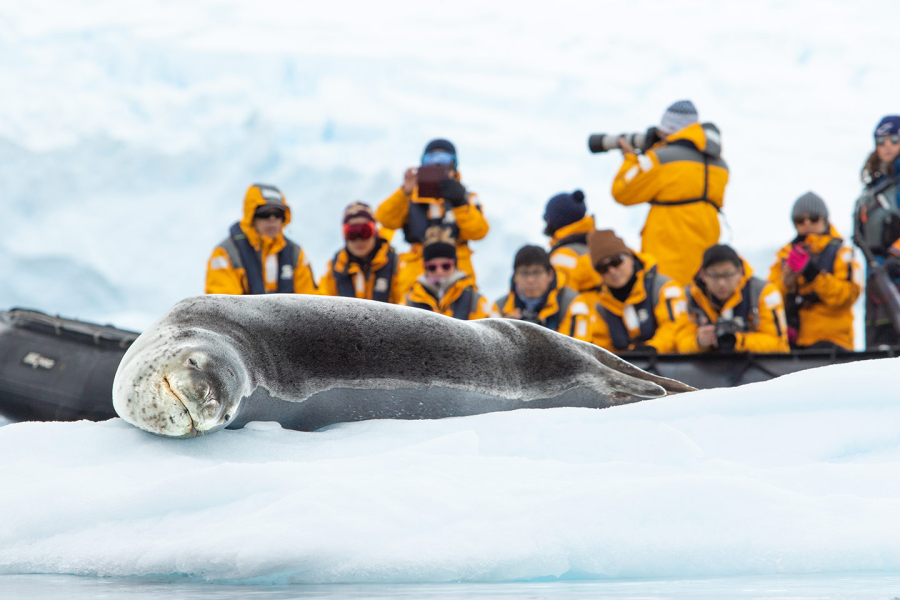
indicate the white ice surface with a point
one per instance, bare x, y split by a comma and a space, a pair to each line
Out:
132, 135
797, 475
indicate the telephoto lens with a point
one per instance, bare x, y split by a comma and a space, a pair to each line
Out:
604, 142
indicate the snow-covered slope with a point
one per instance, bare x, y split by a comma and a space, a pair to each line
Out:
796, 475
128, 137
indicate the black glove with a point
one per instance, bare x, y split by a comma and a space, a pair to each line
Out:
892, 266
453, 191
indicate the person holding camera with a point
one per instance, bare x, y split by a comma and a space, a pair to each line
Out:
635, 308
256, 257
730, 310
433, 195
443, 288
535, 294
877, 224
818, 279
568, 225
683, 177
366, 267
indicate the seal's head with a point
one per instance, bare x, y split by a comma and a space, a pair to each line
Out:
180, 384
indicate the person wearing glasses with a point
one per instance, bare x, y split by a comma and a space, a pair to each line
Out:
878, 223
433, 195
536, 295
635, 308
443, 288
256, 257
366, 267
730, 310
818, 278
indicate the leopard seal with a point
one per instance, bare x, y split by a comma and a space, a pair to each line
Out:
310, 361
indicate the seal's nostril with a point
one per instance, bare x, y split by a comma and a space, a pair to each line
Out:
227, 417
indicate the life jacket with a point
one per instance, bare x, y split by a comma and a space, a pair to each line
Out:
381, 291
645, 311
576, 242
244, 256
825, 261
564, 297
423, 215
877, 214
462, 307
685, 150
745, 314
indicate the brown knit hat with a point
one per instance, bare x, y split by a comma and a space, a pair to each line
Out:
605, 243
358, 209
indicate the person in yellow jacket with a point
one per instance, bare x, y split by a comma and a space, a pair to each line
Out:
731, 310
567, 225
443, 288
536, 295
433, 195
683, 178
636, 307
818, 278
366, 267
256, 257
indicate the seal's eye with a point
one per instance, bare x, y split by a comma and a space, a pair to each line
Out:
193, 363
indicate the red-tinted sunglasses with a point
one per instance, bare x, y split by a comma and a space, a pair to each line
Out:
359, 231
444, 265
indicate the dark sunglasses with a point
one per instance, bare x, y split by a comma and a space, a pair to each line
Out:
811, 218
881, 139
268, 214
359, 231
447, 265
612, 262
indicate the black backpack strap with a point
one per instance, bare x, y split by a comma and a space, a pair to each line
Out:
287, 262
464, 304
250, 260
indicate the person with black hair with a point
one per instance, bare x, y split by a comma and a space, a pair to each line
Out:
432, 194
366, 267
818, 278
635, 308
535, 293
256, 257
730, 310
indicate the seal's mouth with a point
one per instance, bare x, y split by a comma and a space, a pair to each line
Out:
193, 430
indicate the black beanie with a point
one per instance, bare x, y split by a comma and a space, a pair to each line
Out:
440, 144
564, 209
532, 255
721, 253
438, 243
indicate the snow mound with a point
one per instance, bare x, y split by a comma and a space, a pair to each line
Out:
796, 475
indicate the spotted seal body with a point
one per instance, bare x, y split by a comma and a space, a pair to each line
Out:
311, 361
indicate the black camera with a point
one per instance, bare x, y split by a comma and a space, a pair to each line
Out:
604, 142
726, 330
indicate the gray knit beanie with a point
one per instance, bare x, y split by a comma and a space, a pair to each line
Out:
809, 204
678, 116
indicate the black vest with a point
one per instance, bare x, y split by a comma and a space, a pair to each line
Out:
251, 261
418, 221
344, 280
461, 308
621, 340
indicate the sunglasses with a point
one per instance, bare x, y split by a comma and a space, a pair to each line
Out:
612, 262
811, 218
268, 214
438, 158
444, 265
359, 231
893, 138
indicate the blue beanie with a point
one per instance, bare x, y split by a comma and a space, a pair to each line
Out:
564, 209
888, 126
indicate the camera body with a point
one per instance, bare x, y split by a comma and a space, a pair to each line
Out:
604, 142
726, 333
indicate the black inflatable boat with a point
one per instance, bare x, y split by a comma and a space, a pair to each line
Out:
56, 369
